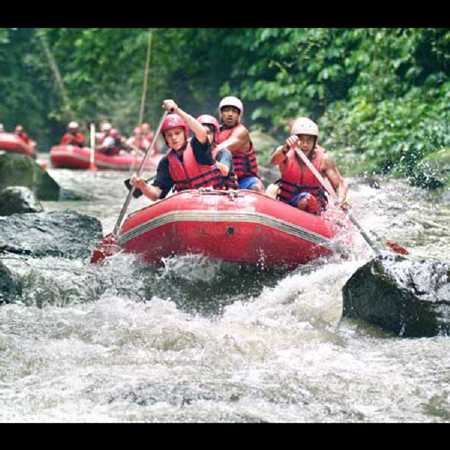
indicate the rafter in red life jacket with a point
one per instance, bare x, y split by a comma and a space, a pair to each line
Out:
296, 177
244, 160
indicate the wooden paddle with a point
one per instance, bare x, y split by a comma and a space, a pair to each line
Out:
329, 188
138, 174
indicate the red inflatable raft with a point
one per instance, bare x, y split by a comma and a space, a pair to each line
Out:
12, 143
237, 226
73, 157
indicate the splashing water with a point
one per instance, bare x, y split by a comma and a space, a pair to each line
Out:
204, 341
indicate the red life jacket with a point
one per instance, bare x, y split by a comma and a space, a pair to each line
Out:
244, 161
111, 148
25, 138
189, 174
296, 178
73, 139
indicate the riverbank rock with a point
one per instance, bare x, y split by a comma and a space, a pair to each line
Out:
68, 234
10, 287
408, 297
18, 199
21, 170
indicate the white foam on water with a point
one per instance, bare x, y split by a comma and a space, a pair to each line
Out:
110, 343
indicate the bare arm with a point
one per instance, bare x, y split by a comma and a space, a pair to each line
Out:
339, 183
279, 155
240, 138
196, 127
150, 191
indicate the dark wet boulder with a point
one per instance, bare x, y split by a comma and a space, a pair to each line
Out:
18, 199
21, 170
68, 234
72, 195
408, 297
10, 286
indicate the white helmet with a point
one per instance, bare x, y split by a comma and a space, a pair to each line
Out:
303, 125
231, 101
2, 127
72, 125
106, 126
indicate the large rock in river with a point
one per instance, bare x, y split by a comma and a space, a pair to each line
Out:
408, 297
66, 233
18, 199
21, 170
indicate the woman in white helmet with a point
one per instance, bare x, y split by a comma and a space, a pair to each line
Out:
235, 137
298, 186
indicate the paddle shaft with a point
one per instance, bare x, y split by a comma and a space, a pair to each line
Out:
329, 188
92, 153
138, 173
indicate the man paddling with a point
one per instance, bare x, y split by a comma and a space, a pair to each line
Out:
298, 186
189, 163
234, 136
73, 136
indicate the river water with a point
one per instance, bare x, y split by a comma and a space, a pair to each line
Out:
202, 341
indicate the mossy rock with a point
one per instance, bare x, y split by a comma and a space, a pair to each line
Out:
21, 170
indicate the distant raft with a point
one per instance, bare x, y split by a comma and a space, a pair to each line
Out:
73, 157
12, 143
237, 226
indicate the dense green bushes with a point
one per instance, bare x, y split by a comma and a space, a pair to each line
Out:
380, 96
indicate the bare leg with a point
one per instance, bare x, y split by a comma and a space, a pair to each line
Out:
258, 187
272, 190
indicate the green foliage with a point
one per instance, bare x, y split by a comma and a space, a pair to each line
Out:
380, 95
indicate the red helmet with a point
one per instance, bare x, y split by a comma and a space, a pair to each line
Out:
114, 133
174, 121
206, 119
